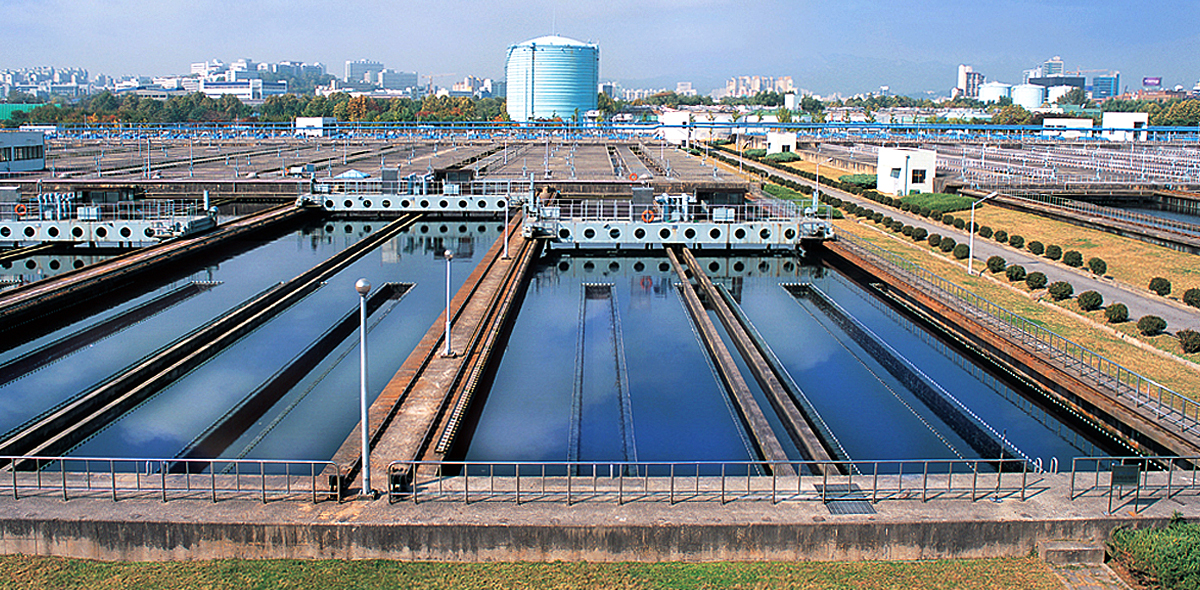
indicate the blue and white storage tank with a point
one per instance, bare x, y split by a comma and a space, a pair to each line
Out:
552, 77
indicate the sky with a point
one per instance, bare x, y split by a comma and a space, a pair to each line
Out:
845, 46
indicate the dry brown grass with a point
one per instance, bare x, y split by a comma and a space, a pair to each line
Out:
1130, 261
827, 170
1017, 299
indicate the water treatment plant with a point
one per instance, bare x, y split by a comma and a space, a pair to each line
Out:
587, 314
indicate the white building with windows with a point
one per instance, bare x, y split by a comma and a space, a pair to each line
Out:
22, 151
905, 171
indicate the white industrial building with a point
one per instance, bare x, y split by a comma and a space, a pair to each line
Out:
1067, 128
905, 171
1124, 126
993, 91
674, 125
22, 151
781, 141
315, 126
245, 90
1028, 96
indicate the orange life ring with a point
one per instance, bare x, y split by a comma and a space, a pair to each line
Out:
647, 283
648, 215
20, 209
633, 176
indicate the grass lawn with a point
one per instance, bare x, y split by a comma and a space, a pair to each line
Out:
942, 202
49, 572
1013, 297
1129, 261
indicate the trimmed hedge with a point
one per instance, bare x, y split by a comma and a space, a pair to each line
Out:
1053, 252
1151, 325
1035, 280
947, 244
1116, 313
1098, 266
1090, 300
948, 219
1073, 258
1060, 290
1000, 236
985, 231
1037, 247
1190, 340
1161, 286
919, 234
960, 224
1192, 297
996, 264
961, 251
934, 240
1016, 241
1015, 273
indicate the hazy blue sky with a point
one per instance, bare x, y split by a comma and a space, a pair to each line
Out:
844, 45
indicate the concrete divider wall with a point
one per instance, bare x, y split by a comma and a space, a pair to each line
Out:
819, 541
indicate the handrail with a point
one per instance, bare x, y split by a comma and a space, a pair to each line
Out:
192, 478
622, 481
1180, 412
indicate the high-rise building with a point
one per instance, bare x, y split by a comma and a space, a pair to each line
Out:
968, 81
393, 80
1052, 67
359, 70
1106, 86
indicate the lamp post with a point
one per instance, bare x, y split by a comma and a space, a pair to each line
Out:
817, 191
971, 230
449, 350
363, 287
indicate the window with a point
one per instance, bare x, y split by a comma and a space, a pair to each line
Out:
895, 173
32, 152
918, 176
5, 154
786, 148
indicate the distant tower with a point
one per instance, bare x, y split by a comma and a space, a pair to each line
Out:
1052, 67
551, 77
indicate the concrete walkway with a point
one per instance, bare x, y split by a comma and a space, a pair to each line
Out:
1140, 302
1089, 577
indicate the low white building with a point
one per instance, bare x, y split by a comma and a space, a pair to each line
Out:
315, 126
1124, 126
905, 171
246, 90
675, 128
1067, 128
781, 141
22, 151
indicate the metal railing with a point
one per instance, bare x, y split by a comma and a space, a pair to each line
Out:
418, 187
1168, 406
709, 481
1109, 212
625, 211
68, 210
213, 479
1168, 475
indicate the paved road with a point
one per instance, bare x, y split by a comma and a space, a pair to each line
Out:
1140, 302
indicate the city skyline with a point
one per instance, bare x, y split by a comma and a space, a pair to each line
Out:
854, 47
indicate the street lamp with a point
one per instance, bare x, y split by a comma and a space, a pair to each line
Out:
817, 191
363, 287
449, 350
971, 230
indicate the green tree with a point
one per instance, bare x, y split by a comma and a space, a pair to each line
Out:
1076, 95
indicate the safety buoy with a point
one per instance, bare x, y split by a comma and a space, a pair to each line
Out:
647, 283
648, 215
21, 209
633, 176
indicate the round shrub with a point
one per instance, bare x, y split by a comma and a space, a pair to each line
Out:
1000, 236
1190, 340
925, 211
961, 251
1090, 300
1161, 286
906, 207
1053, 252
985, 231
1073, 258
959, 224
948, 219
1151, 325
1016, 241
1015, 273
897, 225
934, 240
948, 244
1035, 280
1116, 313
877, 217
887, 222
907, 230
935, 214
996, 264
919, 234
1060, 290
1098, 266
1036, 247
1192, 297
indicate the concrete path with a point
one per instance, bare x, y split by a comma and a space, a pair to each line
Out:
1089, 577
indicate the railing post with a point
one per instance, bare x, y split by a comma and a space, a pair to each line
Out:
62, 468
466, 484
262, 474
671, 501
517, 468
1024, 477
722, 485
112, 474
162, 468
212, 477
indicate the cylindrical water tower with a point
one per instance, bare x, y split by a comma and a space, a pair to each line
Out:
552, 77
1028, 96
993, 91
